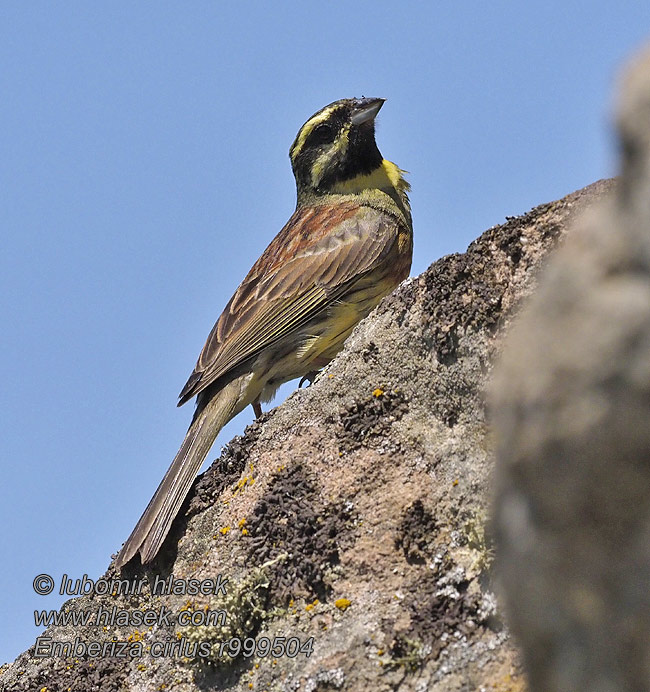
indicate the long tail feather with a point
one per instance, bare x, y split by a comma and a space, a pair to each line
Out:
154, 524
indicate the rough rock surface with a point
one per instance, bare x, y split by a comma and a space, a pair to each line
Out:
572, 421
353, 514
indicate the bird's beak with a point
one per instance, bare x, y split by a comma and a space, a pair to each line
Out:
365, 110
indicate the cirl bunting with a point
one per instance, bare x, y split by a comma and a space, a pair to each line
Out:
346, 246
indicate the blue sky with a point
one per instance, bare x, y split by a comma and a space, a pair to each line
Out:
144, 168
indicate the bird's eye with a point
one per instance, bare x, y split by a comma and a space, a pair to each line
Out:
322, 134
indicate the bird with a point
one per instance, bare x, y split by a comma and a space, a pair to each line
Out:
348, 244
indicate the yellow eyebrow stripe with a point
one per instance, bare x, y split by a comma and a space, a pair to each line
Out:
307, 129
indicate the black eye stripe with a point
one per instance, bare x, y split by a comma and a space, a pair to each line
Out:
323, 133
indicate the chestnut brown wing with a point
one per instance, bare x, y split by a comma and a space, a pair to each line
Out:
308, 266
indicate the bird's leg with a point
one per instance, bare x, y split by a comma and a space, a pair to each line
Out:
257, 407
310, 377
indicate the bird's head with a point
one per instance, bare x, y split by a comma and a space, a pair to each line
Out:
335, 146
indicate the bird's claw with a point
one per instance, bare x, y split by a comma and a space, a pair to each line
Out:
309, 377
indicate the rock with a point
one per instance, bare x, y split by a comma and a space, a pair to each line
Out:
571, 411
350, 519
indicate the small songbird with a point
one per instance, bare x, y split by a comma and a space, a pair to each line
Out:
347, 245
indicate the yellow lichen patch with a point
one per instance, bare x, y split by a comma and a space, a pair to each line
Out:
311, 606
455, 483
224, 530
378, 392
136, 636
342, 603
242, 483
